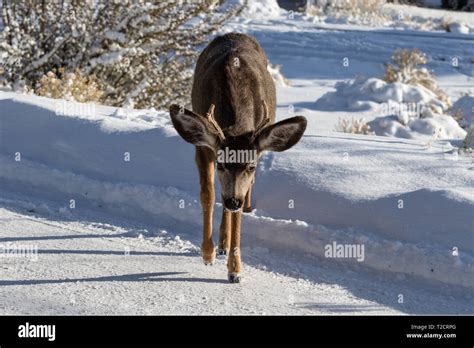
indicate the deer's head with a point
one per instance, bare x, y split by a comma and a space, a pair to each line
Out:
236, 155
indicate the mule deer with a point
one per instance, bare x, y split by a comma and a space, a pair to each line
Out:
233, 100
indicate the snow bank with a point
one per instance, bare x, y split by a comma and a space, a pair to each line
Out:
406, 111
358, 94
458, 28
411, 206
262, 9
383, 15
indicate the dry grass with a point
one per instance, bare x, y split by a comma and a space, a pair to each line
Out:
70, 86
354, 126
445, 22
363, 9
408, 67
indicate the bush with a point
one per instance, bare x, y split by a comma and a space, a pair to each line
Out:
408, 68
349, 7
69, 86
354, 126
140, 52
353, 11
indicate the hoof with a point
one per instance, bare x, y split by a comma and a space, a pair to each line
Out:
234, 277
209, 259
222, 252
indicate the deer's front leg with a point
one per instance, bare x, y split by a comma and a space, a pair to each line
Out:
205, 163
224, 233
233, 262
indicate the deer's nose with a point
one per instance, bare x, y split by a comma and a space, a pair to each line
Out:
233, 203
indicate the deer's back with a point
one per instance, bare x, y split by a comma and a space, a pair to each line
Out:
232, 74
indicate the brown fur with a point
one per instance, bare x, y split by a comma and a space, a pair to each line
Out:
236, 91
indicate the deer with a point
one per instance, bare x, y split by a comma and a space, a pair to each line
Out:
233, 101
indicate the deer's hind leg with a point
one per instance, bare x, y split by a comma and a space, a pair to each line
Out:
205, 163
224, 233
248, 201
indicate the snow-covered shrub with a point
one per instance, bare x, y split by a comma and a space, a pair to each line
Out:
367, 12
354, 126
348, 7
261, 9
458, 28
70, 86
451, 26
408, 68
377, 13
364, 93
430, 125
445, 22
140, 52
404, 110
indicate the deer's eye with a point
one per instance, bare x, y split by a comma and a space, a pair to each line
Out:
251, 167
220, 166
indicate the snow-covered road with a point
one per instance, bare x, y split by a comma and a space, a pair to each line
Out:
104, 265
104, 269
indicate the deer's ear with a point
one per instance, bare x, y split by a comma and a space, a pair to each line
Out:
192, 127
282, 135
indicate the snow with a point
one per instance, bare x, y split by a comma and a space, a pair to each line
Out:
115, 36
433, 126
129, 243
431, 13
394, 16
262, 9
465, 105
354, 93
459, 28
405, 111
98, 267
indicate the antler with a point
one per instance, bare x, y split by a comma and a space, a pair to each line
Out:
212, 121
263, 123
